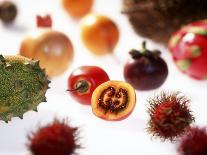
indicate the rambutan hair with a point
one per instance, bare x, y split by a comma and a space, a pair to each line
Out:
170, 115
57, 138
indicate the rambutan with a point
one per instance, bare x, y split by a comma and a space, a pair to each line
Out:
170, 115
57, 138
194, 142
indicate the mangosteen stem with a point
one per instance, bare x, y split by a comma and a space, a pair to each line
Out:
81, 86
138, 53
144, 49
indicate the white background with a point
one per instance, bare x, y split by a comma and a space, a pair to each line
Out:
98, 137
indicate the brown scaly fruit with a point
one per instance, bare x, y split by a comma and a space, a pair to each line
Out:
158, 19
23, 85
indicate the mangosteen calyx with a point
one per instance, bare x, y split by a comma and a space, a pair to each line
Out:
144, 52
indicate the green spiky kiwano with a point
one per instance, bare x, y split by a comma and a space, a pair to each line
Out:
23, 85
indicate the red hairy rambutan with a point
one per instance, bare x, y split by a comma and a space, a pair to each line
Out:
57, 138
194, 142
170, 115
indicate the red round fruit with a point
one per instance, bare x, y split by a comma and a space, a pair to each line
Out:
170, 116
194, 142
57, 138
84, 80
189, 49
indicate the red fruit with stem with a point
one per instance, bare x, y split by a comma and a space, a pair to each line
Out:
194, 142
189, 49
57, 138
53, 48
170, 115
84, 80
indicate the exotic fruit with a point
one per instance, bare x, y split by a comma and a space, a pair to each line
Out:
113, 100
99, 34
189, 49
77, 8
146, 70
84, 80
23, 86
8, 11
194, 142
54, 49
170, 116
57, 138
158, 19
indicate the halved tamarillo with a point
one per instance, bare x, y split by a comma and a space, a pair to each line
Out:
113, 100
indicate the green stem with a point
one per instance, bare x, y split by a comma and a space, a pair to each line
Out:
81, 86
